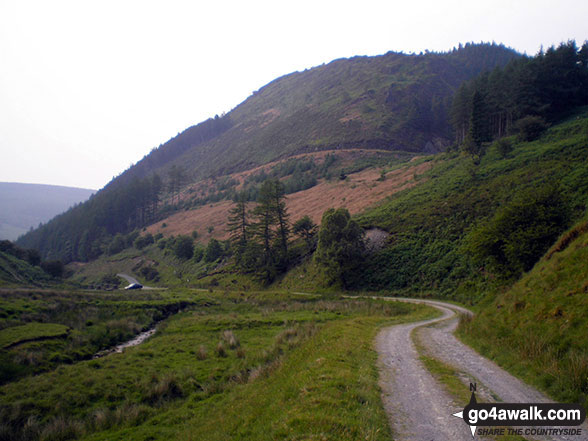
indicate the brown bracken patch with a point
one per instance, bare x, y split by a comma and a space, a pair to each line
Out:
356, 193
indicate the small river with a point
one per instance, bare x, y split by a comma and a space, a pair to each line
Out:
137, 340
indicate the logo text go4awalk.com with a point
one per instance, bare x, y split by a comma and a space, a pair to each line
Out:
502, 418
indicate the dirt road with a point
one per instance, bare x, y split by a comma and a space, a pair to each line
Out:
417, 405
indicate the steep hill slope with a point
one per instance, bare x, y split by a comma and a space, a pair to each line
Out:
23, 206
18, 272
394, 101
391, 102
437, 227
537, 328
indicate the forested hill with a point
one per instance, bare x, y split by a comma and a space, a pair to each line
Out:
395, 102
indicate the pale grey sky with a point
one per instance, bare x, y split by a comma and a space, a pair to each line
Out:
89, 87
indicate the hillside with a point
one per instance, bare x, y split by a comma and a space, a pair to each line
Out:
435, 226
393, 102
537, 328
25, 206
18, 272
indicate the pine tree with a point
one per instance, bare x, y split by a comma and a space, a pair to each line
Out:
177, 178
239, 225
271, 229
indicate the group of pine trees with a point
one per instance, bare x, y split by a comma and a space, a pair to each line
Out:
260, 236
545, 88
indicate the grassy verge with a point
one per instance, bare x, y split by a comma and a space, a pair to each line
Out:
324, 389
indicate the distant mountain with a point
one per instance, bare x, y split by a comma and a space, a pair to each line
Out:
23, 206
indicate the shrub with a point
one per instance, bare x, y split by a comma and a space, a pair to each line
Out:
230, 338
198, 253
520, 232
164, 389
220, 349
130, 238
201, 354
33, 257
340, 245
530, 127
213, 251
150, 273
54, 268
184, 247
110, 279
143, 241
503, 147
117, 245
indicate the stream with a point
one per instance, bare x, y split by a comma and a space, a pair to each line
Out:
136, 340
171, 310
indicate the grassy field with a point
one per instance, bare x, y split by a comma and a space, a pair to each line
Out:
41, 329
237, 365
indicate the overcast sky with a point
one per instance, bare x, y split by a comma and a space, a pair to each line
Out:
89, 87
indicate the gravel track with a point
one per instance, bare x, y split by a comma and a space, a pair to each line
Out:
417, 405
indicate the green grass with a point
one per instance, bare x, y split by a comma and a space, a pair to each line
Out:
323, 389
247, 366
31, 331
86, 322
537, 328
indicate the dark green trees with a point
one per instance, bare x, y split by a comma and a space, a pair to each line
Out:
213, 251
306, 229
176, 180
271, 229
546, 86
260, 237
184, 247
239, 226
478, 128
340, 246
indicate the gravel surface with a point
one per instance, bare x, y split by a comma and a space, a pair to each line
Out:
417, 405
